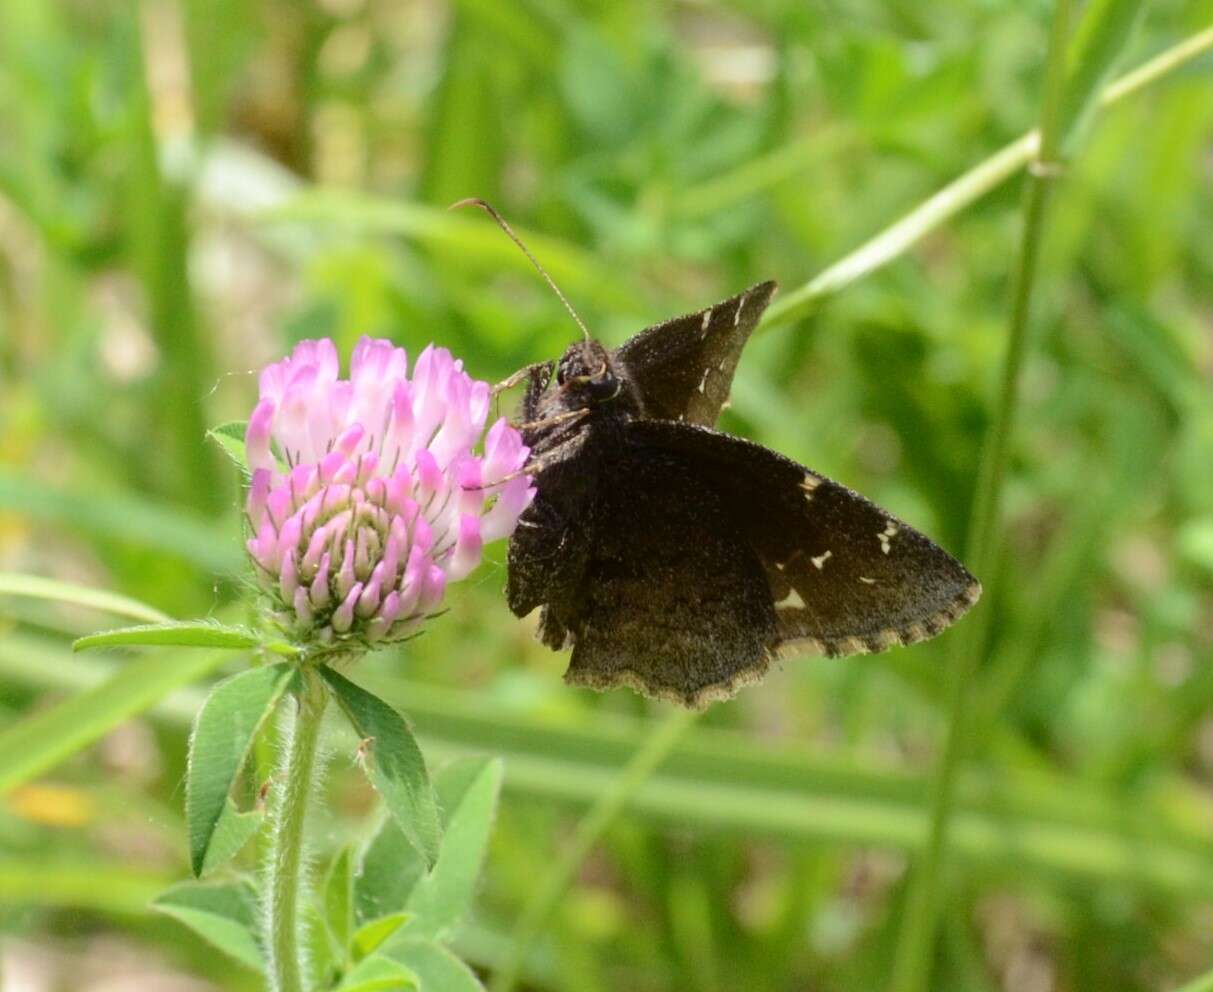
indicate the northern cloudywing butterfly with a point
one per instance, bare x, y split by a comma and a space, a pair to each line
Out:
680, 561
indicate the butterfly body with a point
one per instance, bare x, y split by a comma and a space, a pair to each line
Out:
680, 561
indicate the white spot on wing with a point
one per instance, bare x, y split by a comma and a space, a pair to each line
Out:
808, 484
704, 381
707, 319
866, 581
740, 305
886, 535
819, 562
791, 601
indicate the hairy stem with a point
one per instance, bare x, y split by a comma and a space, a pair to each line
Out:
286, 862
912, 966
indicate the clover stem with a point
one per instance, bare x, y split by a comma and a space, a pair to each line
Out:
289, 812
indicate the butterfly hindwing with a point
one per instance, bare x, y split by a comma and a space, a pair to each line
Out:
550, 546
671, 601
682, 369
845, 576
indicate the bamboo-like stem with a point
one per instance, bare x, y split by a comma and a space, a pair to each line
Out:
286, 860
590, 828
896, 239
911, 967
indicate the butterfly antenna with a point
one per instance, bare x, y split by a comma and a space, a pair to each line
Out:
488, 209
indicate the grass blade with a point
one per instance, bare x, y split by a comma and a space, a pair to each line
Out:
99, 886
1100, 39
16, 584
43, 739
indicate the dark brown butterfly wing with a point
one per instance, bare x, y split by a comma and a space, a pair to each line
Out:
551, 544
679, 561
844, 576
682, 369
670, 600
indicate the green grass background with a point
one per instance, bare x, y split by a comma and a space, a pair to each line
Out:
188, 186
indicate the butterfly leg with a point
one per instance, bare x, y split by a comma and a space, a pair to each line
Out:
547, 556
538, 377
533, 467
524, 373
559, 418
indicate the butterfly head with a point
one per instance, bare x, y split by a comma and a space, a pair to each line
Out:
585, 374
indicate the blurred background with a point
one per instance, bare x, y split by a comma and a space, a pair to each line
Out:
189, 186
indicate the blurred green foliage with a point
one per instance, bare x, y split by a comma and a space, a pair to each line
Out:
187, 186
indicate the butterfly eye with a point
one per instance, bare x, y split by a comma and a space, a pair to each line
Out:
604, 386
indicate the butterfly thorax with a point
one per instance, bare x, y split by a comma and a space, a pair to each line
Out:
589, 389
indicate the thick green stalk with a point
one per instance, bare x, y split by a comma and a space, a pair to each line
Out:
912, 963
552, 886
286, 860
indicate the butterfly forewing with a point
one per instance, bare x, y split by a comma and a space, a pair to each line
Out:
845, 576
682, 369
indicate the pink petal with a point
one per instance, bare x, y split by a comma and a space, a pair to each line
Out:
343, 616
257, 437
466, 555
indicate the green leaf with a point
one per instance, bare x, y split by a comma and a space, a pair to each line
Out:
230, 437
326, 961
436, 968
391, 868
232, 832
393, 762
47, 736
370, 936
379, 974
223, 733
181, 634
15, 584
468, 789
222, 915
339, 898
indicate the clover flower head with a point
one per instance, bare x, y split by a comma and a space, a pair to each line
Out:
369, 494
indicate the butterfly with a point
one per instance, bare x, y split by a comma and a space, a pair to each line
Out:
681, 561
